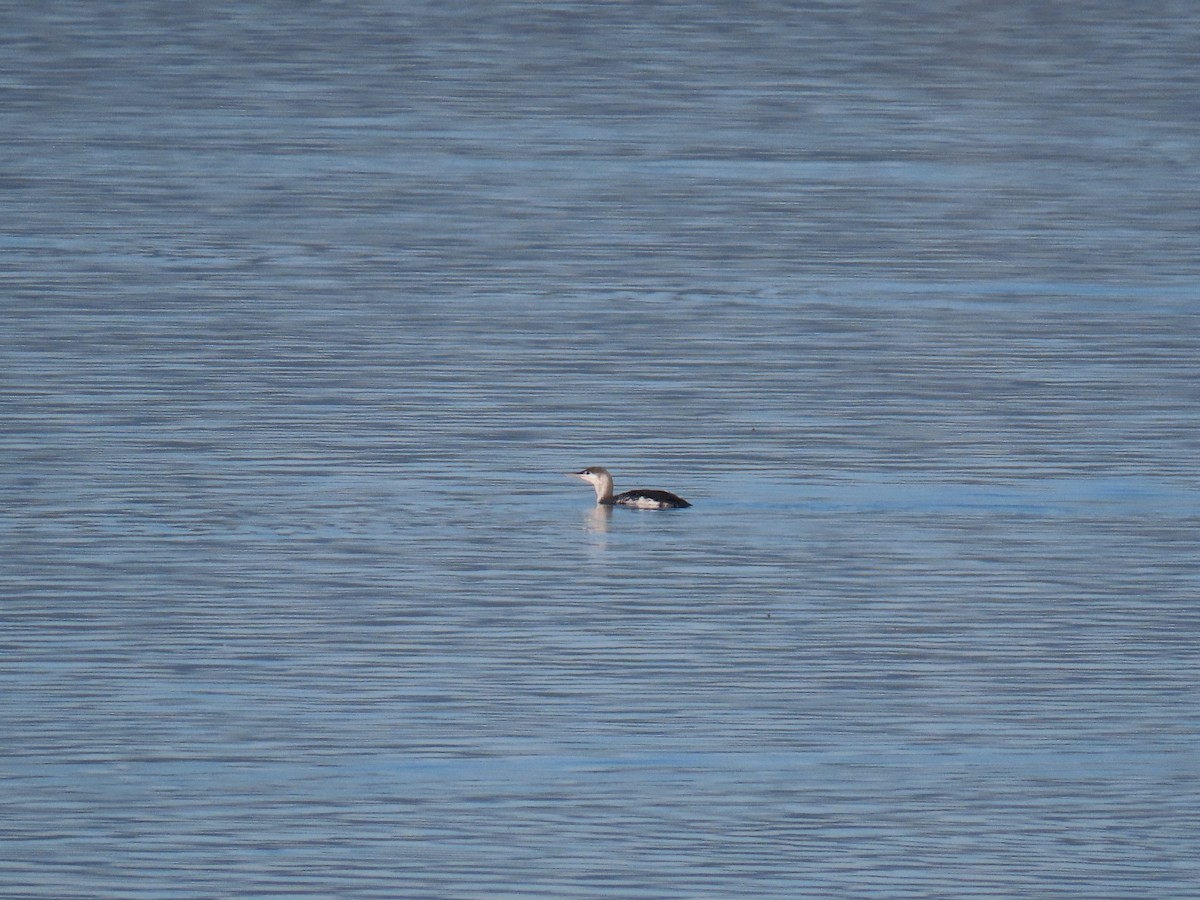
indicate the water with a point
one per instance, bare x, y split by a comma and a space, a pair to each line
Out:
307, 308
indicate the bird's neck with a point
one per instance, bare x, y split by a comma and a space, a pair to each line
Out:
604, 490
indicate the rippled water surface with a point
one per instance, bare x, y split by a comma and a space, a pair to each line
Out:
305, 309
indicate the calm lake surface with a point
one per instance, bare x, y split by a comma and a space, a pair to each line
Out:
305, 309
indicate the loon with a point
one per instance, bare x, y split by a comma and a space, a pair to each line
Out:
639, 498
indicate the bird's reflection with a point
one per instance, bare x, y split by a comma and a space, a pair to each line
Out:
597, 519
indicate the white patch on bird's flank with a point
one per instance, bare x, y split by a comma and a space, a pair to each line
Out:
644, 503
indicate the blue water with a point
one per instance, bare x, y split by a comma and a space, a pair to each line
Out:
305, 309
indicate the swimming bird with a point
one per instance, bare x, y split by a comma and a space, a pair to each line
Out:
639, 498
